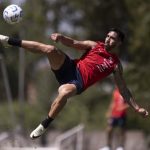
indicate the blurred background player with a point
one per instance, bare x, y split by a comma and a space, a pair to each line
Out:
116, 115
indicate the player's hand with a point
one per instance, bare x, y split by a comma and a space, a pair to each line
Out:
108, 115
143, 112
56, 37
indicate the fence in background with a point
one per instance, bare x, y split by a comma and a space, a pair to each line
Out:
71, 140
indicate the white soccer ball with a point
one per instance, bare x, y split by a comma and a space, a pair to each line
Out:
12, 14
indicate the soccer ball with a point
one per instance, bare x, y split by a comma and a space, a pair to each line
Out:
12, 14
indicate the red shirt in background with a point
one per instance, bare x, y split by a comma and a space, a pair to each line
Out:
119, 106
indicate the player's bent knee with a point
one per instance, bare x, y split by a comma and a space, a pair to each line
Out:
65, 91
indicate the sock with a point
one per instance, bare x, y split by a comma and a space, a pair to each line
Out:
47, 121
14, 42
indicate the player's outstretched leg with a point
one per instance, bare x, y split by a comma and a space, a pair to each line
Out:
56, 59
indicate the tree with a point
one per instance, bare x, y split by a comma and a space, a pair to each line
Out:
140, 31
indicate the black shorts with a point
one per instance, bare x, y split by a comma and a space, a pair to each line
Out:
120, 122
69, 73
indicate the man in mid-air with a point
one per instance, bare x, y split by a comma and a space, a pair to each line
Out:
75, 76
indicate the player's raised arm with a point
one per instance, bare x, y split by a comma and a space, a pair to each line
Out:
80, 45
126, 94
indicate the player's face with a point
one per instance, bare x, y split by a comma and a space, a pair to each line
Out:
111, 40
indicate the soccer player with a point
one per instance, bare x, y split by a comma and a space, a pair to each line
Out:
116, 116
75, 76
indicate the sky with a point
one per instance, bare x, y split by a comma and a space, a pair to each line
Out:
18, 2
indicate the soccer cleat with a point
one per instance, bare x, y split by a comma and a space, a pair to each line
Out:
4, 40
105, 148
37, 132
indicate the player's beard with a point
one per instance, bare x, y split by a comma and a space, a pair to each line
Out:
107, 46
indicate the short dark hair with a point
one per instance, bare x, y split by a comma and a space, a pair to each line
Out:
121, 35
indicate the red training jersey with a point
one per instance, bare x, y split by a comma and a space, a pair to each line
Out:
119, 105
96, 64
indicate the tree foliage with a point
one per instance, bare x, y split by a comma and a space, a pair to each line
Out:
140, 31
